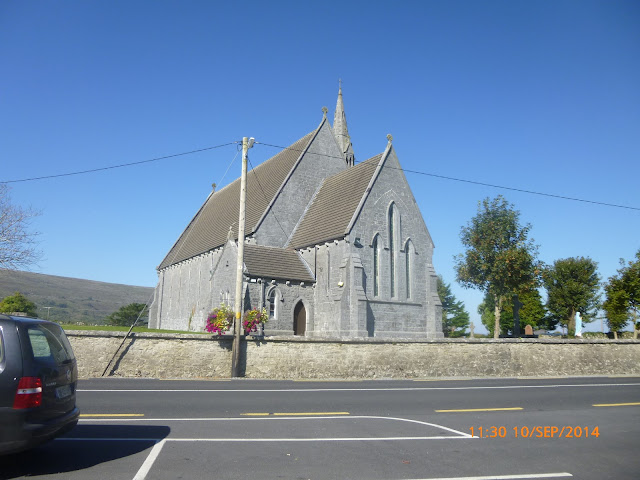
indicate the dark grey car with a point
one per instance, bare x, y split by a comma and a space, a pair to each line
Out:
38, 378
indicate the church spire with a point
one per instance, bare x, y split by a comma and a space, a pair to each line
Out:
340, 130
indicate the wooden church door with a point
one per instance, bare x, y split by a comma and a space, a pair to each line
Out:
299, 319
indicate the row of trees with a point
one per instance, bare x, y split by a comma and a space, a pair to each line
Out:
501, 260
623, 295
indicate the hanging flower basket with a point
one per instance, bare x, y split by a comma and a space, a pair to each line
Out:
252, 318
220, 319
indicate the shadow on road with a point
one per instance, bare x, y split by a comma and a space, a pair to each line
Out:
84, 447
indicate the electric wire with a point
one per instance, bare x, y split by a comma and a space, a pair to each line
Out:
68, 174
229, 167
266, 198
173, 257
521, 190
298, 150
433, 175
444, 177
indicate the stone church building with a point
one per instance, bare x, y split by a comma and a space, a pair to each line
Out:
333, 249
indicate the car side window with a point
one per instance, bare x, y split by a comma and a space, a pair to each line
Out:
48, 345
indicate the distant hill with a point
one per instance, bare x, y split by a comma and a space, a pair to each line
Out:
72, 300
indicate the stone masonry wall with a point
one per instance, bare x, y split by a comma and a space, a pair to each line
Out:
410, 311
157, 355
323, 159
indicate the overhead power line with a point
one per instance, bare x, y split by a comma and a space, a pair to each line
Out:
563, 197
265, 197
516, 189
81, 172
444, 177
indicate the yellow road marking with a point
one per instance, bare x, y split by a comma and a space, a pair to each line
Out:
202, 379
112, 414
442, 379
316, 380
294, 414
305, 414
480, 410
616, 404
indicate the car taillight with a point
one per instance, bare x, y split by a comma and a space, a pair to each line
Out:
29, 394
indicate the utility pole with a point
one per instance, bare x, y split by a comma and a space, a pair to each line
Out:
235, 350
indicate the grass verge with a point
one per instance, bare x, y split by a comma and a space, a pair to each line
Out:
112, 328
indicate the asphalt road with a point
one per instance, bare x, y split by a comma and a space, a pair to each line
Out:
586, 428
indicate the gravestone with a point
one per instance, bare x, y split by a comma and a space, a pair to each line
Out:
528, 330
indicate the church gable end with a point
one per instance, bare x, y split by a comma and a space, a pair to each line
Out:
396, 252
320, 160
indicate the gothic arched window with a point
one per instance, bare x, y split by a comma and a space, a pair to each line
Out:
392, 250
376, 265
272, 299
407, 265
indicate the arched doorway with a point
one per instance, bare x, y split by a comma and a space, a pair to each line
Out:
299, 319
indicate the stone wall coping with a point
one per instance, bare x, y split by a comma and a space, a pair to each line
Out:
349, 341
165, 336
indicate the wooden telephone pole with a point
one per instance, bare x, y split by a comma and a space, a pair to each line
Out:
235, 350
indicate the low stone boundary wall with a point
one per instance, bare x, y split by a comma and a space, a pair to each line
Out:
161, 355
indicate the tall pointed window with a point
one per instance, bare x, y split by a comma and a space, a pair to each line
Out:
407, 265
376, 265
272, 299
392, 251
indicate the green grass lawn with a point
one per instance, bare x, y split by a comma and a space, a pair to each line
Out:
111, 328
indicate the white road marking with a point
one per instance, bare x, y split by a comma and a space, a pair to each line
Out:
159, 444
106, 439
313, 390
505, 477
148, 463
325, 439
273, 419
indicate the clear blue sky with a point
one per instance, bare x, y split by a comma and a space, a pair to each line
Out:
541, 96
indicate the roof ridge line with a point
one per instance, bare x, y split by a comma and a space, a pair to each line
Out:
306, 209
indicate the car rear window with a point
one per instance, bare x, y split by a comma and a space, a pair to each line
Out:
49, 344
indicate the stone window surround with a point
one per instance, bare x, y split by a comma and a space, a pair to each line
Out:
377, 246
273, 298
408, 247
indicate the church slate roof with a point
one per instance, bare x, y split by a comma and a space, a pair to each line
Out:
334, 206
210, 226
272, 262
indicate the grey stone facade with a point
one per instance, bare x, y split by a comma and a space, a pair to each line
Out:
357, 230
